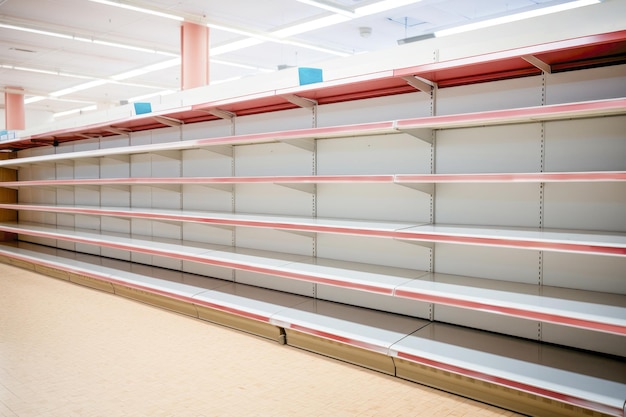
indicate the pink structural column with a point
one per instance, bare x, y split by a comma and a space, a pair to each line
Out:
194, 49
14, 109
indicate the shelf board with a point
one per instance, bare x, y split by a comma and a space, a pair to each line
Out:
497, 117
304, 268
558, 240
366, 329
270, 137
513, 177
544, 371
574, 308
596, 108
289, 223
517, 300
302, 179
478, 178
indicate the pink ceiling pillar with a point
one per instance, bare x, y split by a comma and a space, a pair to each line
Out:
14, 109
194, 49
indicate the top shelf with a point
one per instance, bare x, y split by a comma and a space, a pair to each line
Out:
415, 127
564, 55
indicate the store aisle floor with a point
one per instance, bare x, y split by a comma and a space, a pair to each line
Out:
66, 350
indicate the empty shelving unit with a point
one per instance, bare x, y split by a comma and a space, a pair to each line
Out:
458, 221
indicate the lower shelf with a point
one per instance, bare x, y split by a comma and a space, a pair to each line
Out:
597, 312
521, 375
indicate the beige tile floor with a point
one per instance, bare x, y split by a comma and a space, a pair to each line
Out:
67, 350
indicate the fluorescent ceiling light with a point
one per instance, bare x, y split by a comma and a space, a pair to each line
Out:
326, 21
74, 111
36, 31
329, 7
316, 48
131, 47
255, 38
47, 72
310, 25
235, 46
34, 99
240, 31
86, 40
516, 17
84, 77
238, 65
145, 96
144, 70
382, 6
80, 87
146, 10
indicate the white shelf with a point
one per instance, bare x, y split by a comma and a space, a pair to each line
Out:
513, 177
302, 179
521, 115
585, 310
289, 223
279, 264
279, 136
245, 301
573, 241
491, 359
487, 178
366, 329
489, 118
417, 285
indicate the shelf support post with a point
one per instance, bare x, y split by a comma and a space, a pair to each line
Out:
7, 195
423, 134
118, 130
420, 83
222, 114
225, 115
303, 102
168, 121
422, 187
536, 62
307, 188
307, 144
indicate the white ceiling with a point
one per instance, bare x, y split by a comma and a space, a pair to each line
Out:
47, 46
